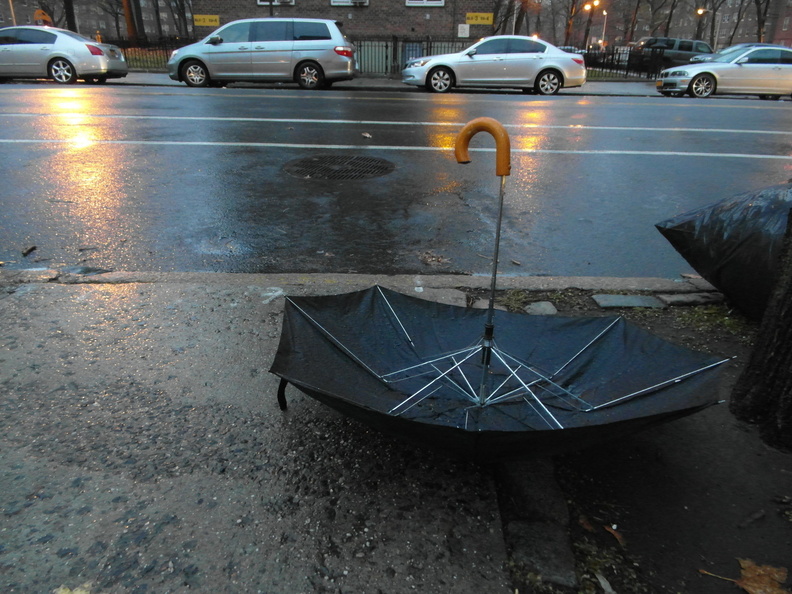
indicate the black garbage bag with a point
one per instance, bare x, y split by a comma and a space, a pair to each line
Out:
735, 244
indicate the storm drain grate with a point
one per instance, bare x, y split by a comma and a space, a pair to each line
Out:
338, 167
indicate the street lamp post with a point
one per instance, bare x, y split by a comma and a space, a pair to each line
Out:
590, 8
604, 23
13, 16
700, 12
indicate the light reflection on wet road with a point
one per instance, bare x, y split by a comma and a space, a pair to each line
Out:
184, 179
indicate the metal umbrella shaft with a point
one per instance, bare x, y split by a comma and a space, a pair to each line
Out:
502, 169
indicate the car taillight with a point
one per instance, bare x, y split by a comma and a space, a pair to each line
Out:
343, 50
579, 61
95, 51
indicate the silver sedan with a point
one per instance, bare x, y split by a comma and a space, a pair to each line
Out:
63, 56
505, 61
765, 71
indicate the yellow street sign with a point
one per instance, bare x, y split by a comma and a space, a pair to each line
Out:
478, 18
206, 20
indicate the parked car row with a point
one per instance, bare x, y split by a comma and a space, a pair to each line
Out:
314, 53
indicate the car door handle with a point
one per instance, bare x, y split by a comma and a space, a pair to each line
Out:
259, 47
243, 48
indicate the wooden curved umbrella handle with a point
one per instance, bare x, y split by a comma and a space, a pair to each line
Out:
502, 144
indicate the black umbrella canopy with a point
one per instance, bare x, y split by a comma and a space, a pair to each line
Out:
415, 368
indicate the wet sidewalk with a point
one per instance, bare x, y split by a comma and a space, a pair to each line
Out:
143, 450
640, 87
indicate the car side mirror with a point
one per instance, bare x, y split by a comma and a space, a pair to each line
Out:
471, 53
216, 40
741, 61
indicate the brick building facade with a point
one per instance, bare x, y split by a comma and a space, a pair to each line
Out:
364, 18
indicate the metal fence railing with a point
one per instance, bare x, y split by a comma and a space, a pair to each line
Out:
149, 55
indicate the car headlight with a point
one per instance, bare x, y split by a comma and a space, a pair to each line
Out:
417, 63
678, 73
173, 54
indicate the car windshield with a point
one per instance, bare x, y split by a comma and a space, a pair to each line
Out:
730, 55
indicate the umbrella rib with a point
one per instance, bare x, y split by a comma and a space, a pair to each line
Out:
563, 390
528, 389
470, 350
471, 394
539, 412
390, 412
541, 377
333, 339
592, 341
437, 379
674, 380
395, 315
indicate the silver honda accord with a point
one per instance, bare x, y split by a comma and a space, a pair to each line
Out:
504, 61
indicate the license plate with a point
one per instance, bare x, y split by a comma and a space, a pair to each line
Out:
659, 84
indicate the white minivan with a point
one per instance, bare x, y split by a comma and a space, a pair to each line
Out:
311, 52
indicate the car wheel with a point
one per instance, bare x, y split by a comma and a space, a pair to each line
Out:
195, 74
549, 82
702, 86
310, 76
770, 97
96, 80
440, 80
62, 71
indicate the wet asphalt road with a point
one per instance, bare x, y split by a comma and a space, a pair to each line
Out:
178, 179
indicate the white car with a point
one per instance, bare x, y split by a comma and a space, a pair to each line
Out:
504, 61
765, 71
64, 56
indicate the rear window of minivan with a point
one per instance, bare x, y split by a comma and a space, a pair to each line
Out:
306, 31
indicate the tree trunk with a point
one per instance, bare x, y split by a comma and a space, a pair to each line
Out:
763, 393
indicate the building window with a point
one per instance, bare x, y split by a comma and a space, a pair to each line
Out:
786, 24
274, 2
349, 2
424, 2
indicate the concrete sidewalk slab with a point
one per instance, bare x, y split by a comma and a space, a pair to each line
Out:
143, 448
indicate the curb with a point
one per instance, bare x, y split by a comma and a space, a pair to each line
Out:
337, 282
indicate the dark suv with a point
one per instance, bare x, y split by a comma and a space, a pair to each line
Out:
671, 51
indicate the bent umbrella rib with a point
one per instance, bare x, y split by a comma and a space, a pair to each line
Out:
334, 340
657, 386
396, 316
592, 341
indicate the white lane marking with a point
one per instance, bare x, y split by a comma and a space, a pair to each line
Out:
363, 147
573, 127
